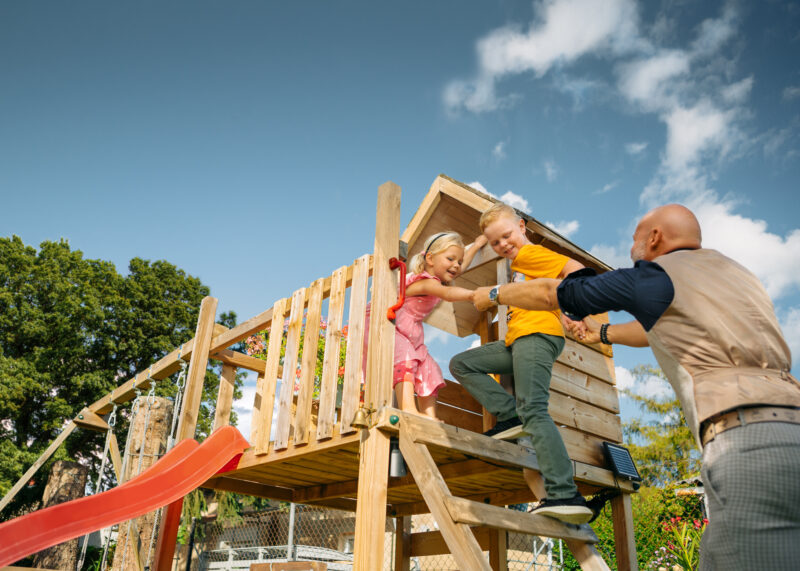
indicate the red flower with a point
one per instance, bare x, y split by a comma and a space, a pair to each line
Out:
341, 371
345, 329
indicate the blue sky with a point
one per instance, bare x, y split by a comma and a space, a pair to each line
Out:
244, 142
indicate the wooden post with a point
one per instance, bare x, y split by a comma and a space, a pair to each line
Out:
624, 537
38, 464
402, 543
227, 382
498, 549
373, 472
192, 395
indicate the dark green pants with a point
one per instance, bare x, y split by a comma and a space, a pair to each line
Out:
530, 359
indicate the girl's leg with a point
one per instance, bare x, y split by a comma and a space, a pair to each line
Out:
404, 386
427, 406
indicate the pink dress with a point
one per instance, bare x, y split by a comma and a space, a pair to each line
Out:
410, 353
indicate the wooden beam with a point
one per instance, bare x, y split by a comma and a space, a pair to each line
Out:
91, 421
373, 473
402, 544
463, 545
249, 488
284, 420
302, 422
264, 401
427, 543
624, 537
498, 549
239, 360
474, 513
330, 361
222, 410
36, 465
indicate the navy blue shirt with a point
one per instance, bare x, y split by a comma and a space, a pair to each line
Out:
645, 291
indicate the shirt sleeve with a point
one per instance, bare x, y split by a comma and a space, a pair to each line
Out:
538, 262
645, 291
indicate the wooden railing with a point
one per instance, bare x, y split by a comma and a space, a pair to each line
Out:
299, 317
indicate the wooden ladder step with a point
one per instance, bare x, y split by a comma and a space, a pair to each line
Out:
476, 513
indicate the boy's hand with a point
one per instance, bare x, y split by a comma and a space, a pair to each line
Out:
480, 241
480, 298
576, 328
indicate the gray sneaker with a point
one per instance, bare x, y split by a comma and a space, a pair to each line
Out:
570, 510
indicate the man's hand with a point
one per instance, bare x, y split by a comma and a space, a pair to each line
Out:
591, 330
480, 298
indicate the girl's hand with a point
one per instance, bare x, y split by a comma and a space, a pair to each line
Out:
480, 242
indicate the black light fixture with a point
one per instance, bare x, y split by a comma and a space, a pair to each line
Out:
619, 458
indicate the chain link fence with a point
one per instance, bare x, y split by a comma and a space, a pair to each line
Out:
295, 532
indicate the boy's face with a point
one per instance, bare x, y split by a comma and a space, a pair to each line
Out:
506, 236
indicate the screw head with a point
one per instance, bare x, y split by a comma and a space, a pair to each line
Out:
80, 416
394, 419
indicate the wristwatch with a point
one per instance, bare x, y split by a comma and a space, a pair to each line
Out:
493, 293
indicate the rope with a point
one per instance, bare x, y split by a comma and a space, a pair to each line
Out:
112, 420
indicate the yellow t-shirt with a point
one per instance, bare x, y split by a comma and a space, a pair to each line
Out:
533, 262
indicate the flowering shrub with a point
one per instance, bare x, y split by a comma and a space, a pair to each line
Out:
684, 543
256, 346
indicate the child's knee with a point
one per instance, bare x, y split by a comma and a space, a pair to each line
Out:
457, 367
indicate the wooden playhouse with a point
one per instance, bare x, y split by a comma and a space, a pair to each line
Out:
304, 449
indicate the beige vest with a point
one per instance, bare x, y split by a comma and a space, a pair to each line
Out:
719, 342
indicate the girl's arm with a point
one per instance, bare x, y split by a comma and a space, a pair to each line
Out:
469, 255
430, 286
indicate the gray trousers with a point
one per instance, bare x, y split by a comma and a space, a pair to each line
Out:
751, 475
530, 359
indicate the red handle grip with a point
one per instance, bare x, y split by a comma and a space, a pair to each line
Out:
394, 263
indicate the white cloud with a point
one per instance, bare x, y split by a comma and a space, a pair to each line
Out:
635, 148
562, 32
692, 132
434, 335
791, 332
550, 169
565, 228
478, 186
475, 343
499, 151
625, 379
738, 92
714, 32
773, 258
651, 82
243, 407
513, 199
616, 257
649, 386
607, 187
516, 201
791, 92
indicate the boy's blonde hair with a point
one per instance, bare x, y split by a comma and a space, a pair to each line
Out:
433, 245
497, 211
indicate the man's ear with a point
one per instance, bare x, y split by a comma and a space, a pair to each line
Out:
655, 240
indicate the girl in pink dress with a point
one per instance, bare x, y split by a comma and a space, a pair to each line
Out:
430, 273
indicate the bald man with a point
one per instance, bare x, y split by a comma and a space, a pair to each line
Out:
713, 330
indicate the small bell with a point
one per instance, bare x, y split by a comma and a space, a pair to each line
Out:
361, 418
397, 466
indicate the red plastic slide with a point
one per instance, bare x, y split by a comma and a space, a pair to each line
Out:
179, 472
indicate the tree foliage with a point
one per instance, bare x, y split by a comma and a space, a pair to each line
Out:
71, 330
661, 443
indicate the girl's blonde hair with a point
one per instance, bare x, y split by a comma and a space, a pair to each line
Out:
433, 245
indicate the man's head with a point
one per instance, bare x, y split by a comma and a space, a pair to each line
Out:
504, 230
663, 230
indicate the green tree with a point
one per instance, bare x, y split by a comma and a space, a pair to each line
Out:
661, 444
71, 330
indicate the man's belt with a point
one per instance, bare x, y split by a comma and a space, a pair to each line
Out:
722, 422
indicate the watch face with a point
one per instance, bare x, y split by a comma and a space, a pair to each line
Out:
493, 294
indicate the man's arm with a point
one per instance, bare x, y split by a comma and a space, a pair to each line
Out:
538, 295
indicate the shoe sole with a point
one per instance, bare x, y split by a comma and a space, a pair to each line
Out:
567, 514
511, 433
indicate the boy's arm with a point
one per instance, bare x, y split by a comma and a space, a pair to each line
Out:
469, 255
431, 286
569, 267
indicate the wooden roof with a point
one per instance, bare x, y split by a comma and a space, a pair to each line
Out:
453, 205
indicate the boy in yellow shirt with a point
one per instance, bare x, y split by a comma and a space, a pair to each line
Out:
532, 344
